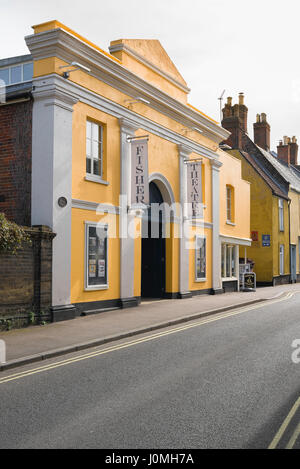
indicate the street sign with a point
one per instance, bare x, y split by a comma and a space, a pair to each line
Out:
266, 240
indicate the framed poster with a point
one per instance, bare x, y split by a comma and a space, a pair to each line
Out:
96, 275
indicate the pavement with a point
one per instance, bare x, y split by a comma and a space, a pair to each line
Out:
37, 343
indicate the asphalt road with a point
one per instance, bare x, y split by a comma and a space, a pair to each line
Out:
226, 381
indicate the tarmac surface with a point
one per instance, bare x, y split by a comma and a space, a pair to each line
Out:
36, 343
227, 380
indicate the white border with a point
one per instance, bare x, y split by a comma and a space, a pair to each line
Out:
86, 228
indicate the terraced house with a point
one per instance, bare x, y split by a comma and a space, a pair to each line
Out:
112, 133
275, 191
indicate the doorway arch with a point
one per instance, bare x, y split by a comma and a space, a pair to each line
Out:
153, 264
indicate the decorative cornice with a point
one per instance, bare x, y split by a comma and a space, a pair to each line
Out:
68, 48
202, 224
216, 164
54, 96
147, 63
184, 151
235, 240
54, 82
127, 126
94, 206
115, 210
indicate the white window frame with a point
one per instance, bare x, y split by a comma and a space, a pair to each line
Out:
88, 287
229, 200
200, 279
281, 259
22, 73
230, 210
281, 214
92, 176
232, 256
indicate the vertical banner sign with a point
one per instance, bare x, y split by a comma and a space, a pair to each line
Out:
194, 189
139, 172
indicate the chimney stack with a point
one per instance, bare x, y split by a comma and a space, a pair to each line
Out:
262, 131
288, 150
235, 121
283, 151
293, 151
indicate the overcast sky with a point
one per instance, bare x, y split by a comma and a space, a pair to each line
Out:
250, 46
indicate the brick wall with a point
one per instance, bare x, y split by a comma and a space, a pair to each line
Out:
15, 161
26, 279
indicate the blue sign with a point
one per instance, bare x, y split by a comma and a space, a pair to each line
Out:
266, 240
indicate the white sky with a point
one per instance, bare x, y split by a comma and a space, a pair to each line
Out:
250, 46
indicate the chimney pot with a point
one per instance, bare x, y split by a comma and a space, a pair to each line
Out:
241, 98
229, 101
263, 117
257, 117
285, 140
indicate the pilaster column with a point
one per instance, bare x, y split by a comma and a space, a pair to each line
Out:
126, 218
184, 273
216, 244
52, 180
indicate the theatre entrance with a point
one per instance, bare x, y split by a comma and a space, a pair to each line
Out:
153, 249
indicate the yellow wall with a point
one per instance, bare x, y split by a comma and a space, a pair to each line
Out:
78, 294
145, 72
264, 218
50, 65
231, 175
163, 159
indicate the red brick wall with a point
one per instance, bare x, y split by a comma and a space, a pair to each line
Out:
15, 161
26, 279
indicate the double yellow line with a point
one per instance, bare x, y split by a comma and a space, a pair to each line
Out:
282, 430
114, 348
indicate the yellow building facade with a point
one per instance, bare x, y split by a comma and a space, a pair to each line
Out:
92, 109
269, 224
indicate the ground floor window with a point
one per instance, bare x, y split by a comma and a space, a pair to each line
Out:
281, 259
228, 261
96, 256
200, 259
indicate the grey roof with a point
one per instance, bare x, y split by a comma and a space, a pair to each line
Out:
289, 173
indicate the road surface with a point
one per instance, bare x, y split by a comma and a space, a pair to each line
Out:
226, 381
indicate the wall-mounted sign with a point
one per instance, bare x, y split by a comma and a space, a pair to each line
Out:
254, 235
266, 240
139, 172
62, 202
194, 189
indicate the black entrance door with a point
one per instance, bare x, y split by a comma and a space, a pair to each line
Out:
153, 250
